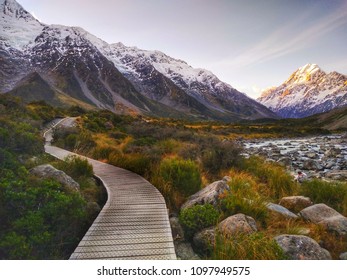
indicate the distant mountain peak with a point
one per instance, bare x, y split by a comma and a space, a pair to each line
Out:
309, 90
306, 73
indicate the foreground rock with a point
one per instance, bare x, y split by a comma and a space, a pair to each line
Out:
208, 195
318, 212
281, 210
336, 224
176, 229
184, 251
47, 171
299, 247
205, 240
343, 256
237, 224
328, 217
295, 203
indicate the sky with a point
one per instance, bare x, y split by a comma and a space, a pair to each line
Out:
250, 44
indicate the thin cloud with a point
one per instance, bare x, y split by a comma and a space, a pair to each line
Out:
281, 42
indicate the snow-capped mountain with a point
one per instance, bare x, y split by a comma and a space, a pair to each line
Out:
308, 91
81, 69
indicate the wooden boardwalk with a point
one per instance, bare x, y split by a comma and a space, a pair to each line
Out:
134, 222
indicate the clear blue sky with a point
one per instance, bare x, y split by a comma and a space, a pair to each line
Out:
250, 44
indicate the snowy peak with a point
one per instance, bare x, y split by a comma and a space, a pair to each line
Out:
11, 9
17, 26
307, 73
309, 90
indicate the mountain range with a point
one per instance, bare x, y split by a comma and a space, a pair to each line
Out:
309, 90
69, 66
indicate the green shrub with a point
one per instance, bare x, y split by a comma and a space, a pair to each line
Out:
197, 218
76, 167
333, 194
182, 175
220, 155
256, 246
137, 163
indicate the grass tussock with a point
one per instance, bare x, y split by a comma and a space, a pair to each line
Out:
334, 194
277, 183
256, 246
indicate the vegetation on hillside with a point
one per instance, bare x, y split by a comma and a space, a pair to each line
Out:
40, 219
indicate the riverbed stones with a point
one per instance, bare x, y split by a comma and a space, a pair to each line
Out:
311, 164
300, 247
317, 156
337, 174
208, 195
47, 171
295, 203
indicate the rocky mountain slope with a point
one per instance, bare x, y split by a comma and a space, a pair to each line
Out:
308, 91
81, 69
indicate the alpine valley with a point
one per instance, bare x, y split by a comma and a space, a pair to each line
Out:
308, 91
69, 66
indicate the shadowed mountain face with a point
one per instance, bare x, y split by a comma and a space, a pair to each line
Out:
68, 65
308, 91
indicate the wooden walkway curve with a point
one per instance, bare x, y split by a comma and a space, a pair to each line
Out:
134, 222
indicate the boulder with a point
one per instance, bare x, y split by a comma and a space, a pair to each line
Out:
208, 195
300, 247
318, 212
332, 152
236, 224
311, 164
205, 239
285, 161
184, 251
295, 203
47, 171
343, 256
337, 174
176, 229
281, 210
312, 155
336, 224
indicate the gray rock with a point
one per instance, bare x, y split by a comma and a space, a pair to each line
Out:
336, 224
205, 240
285, 161
332, 152
295, 203
311, 164
208, 195
184, 251
281, 210
343, 256
312, 155
318, 212
300, 247
47, 171
337, 174
237, 224
176, 229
